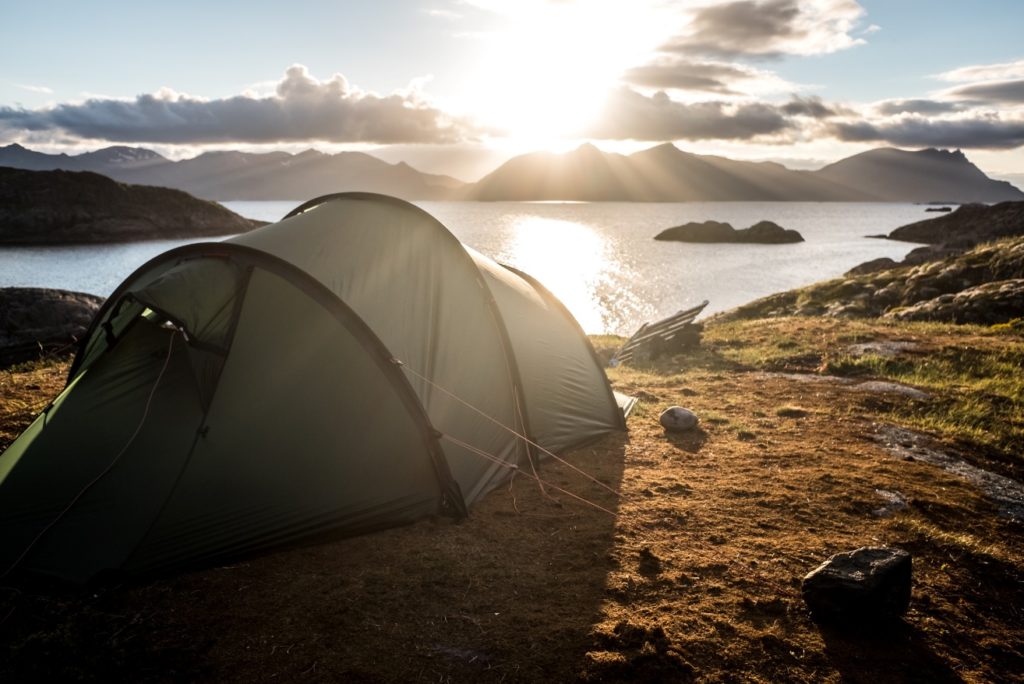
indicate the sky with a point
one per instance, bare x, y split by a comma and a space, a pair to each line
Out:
456, 86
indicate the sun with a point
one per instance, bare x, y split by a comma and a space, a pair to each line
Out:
545, 75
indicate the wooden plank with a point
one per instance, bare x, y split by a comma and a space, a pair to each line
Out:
664, 329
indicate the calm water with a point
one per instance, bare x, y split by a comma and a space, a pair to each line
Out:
599, 258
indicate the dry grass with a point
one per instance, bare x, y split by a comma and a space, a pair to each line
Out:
695, 578
25, 390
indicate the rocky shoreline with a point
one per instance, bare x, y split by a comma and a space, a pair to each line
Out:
959, 276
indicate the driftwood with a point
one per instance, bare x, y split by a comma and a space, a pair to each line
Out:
667, 336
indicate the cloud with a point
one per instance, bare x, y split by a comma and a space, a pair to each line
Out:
982, 132
712, 77
916, 106
302, 108
723, 78
811, 107
1011, 92
770, 28
34, 88
985, 72
629, 115
444, 14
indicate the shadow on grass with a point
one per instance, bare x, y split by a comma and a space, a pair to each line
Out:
690, 441
509, 594
892, 653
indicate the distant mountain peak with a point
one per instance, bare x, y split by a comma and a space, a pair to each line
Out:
666, 147
122, 154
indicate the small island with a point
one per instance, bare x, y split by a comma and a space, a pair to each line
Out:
763, 232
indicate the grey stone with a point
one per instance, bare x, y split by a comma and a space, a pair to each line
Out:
892, 388
678, 419
894, 501
870, 584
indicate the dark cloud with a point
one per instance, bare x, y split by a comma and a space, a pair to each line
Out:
769, 28
811, 107
708, 77
893, 107
629, 115
984, 133
991, 91
743, 27
302, 108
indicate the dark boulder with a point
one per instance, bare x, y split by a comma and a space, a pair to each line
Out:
36, 321
868, 585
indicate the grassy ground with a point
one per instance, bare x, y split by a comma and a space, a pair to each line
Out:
694, 578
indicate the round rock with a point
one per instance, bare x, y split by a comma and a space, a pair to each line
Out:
678, 419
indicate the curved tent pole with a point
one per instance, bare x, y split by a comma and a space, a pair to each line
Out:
519, 396
320, 293
355, 195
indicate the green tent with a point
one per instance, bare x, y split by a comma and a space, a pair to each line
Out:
349, 368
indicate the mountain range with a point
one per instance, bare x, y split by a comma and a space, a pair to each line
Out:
659, 174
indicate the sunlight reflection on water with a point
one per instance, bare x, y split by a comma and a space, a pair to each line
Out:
569, 258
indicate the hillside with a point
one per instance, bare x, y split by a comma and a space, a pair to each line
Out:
667, 174
234, 175
60, 207
982, 285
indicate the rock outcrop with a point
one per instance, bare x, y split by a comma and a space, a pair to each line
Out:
762, 232
873, 266
36, 321
969, 225
1002, 300
984, 285
62, 207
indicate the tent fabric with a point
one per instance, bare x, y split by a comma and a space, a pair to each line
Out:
296, 382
